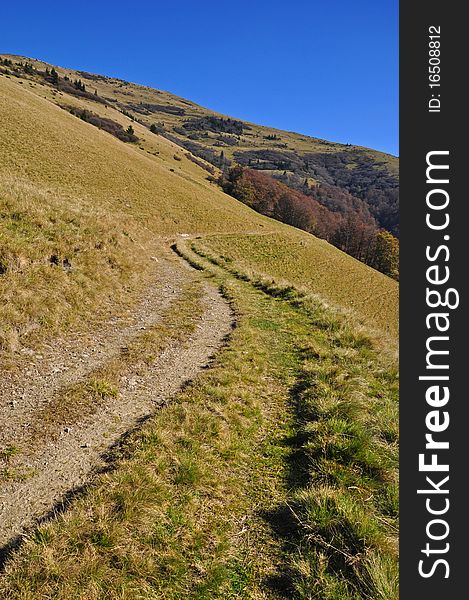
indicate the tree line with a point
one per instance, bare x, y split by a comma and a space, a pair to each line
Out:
354, 231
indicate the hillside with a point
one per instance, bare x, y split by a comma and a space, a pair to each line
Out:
153, 186
319, 168
188, 388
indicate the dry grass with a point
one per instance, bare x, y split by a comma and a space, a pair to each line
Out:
196, 503
51, 147
81, 214
214, 498
315, 266
77, 401
60, 260
98, 189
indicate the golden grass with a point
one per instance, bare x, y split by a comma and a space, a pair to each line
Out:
49, 146
81, 215
315, 266
214, 498
99, 189
61, 260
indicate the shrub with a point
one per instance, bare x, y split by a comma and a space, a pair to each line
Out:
216, 124
157, 128
105, 124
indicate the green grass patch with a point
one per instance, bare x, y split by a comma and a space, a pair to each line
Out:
271, 475
303, 262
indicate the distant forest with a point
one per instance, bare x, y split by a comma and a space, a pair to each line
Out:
345, 197
327, 212
348, 198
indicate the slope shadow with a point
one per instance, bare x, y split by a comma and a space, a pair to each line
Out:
281, 519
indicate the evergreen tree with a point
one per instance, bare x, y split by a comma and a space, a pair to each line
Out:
54, 76
79, 85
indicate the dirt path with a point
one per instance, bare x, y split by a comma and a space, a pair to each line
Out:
58, 468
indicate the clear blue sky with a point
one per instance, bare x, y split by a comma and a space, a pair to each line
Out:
327, 68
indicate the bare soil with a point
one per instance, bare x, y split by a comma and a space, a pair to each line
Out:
43, 475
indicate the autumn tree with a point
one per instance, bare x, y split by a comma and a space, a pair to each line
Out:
386, 254
346, 222
355, 236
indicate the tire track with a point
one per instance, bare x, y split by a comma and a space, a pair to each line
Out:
56, 469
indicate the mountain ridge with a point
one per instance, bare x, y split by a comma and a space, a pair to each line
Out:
356, 187
97, 77
117, 245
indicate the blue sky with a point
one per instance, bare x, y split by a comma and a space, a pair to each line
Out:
326, 68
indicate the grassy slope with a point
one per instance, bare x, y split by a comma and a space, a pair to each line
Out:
244, 481
52, 148
126, 93
306, 263
73, 191
228, 492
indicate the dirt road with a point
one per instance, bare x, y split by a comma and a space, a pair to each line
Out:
39, 476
